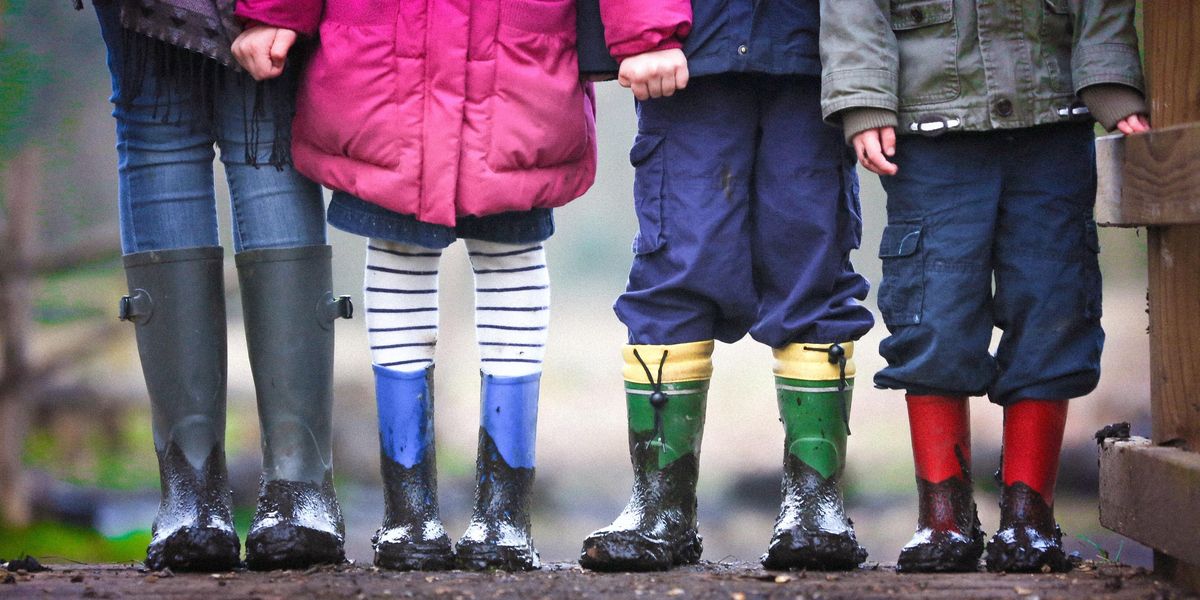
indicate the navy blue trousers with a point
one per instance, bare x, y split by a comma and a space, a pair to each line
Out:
993, 229
747, 210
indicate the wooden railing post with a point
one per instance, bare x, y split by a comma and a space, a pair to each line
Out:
1172, 37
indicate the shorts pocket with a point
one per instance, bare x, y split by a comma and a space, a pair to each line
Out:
649, 174
539, 106
902, 289
927, 38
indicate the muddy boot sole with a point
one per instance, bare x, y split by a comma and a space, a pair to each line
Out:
818, 552
620, 551
201, 549
415, 557
487, 557
292, 547
942, 554
1015, 557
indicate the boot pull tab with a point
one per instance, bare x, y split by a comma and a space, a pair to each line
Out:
333, 308
837, 356
658, 398
137, 306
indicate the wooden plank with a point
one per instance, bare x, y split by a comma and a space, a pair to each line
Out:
1150, 493
1149, 179
1110, 167
1172, 41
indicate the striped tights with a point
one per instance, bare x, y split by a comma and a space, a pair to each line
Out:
512, 305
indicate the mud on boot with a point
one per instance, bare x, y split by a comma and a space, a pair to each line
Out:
949, 537
194, 529
657, 528
297, 524
1028, 538
499, 535
176, 302
812, 531
813, 384
412, 537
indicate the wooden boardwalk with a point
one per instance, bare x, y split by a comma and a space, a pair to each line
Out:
726, 581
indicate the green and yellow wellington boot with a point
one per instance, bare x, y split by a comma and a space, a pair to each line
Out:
813, 384
665, 390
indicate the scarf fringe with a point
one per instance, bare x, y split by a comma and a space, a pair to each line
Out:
178, 75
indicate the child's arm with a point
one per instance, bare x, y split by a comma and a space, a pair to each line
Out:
860, 67
271, 30
1105, 65
646, 38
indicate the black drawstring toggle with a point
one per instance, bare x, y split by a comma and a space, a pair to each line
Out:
658, 398
837, 356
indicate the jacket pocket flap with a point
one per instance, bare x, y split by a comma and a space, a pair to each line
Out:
900, 240
643, 147
911, 15
1062, 7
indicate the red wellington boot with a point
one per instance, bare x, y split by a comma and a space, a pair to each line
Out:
1028, 539
948, 536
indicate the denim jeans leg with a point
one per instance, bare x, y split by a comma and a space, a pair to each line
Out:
272, 208
1047, 268
936, 291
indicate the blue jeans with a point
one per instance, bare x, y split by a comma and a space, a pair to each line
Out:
747, 210
166, 188
992, 229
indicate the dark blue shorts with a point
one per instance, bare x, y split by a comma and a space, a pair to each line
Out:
993, 229
354, 215
747, 208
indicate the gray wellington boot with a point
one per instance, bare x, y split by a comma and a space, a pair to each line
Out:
289, 312
177, 303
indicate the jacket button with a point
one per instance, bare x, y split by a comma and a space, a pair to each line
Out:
743, 49
1004, 107
917, 14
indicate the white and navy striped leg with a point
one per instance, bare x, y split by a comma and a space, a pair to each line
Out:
512, 306
401, 298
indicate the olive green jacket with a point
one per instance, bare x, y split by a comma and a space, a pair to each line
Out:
974, 65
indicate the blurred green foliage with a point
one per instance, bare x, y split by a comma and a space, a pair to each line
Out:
55, 542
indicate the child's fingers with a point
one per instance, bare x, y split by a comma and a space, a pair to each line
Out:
668, 84
872, 154
681, 76
654, 87
888, 138
284, 38
640, 91
1124, 127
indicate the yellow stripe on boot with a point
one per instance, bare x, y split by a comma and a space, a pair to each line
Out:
684, 362
810, 362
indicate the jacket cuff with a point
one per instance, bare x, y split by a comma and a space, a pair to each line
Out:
301, 16
1111, 102
858, 120
1106, 63
624, 51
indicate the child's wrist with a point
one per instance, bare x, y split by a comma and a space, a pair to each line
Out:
1111, 102
858, 120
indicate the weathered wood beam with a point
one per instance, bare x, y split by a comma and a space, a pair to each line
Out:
1150, 493
1149, 179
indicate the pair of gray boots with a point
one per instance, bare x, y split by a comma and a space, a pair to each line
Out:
177, 302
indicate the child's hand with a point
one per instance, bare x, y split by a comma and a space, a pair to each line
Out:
654, 74
1134, 123
873, 147
262, 50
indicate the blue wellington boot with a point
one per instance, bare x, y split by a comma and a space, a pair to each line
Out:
499, 534
412, 537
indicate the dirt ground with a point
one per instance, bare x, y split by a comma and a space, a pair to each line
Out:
728, 581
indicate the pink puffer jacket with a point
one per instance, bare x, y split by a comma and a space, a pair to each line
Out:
441, 108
